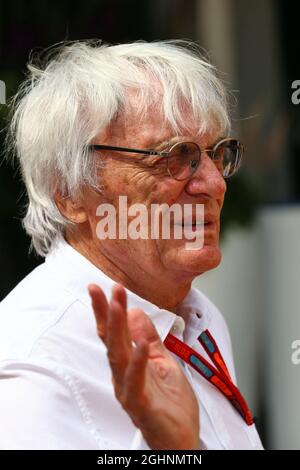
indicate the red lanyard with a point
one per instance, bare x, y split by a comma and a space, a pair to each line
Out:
218, 376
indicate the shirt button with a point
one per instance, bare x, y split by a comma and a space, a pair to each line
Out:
178, 326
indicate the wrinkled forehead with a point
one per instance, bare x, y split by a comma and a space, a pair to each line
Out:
143, 122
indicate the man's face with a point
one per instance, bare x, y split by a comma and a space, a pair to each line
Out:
135, 177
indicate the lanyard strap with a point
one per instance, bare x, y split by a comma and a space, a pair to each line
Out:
211, 347
219, 376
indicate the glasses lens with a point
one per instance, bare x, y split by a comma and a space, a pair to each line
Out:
183, 160
227, 157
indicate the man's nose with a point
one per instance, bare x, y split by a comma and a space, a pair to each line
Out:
207, 180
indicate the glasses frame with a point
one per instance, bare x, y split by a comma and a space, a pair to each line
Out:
210, 151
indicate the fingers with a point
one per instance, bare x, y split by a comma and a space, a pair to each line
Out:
134, 379
119, 294
112, 328
118, 339
118, 330
119, 347
100, 307
142, 329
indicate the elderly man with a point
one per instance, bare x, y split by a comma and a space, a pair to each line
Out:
147, 121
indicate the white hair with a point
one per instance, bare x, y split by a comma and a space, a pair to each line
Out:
79, 90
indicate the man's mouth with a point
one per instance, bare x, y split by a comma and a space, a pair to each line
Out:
206, 226
196, 223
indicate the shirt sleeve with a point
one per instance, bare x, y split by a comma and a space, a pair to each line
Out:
39, 411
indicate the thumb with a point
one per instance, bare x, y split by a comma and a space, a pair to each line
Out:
141, 328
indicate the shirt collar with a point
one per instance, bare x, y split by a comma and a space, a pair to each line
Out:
74, 272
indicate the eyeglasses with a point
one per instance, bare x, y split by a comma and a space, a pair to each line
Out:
183, 158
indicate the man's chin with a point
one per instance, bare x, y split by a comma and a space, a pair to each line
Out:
199, 261
204, 259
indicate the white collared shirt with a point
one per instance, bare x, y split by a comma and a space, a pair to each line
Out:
55, 380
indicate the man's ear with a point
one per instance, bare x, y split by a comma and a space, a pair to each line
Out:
71, 209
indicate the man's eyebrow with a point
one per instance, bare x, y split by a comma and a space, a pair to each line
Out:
169, 141
217, 140
160, 143
178, 138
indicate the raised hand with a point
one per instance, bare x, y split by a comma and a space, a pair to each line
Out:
149, 383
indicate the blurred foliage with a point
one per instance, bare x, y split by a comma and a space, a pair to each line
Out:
291, 69
241, 202
36, 25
